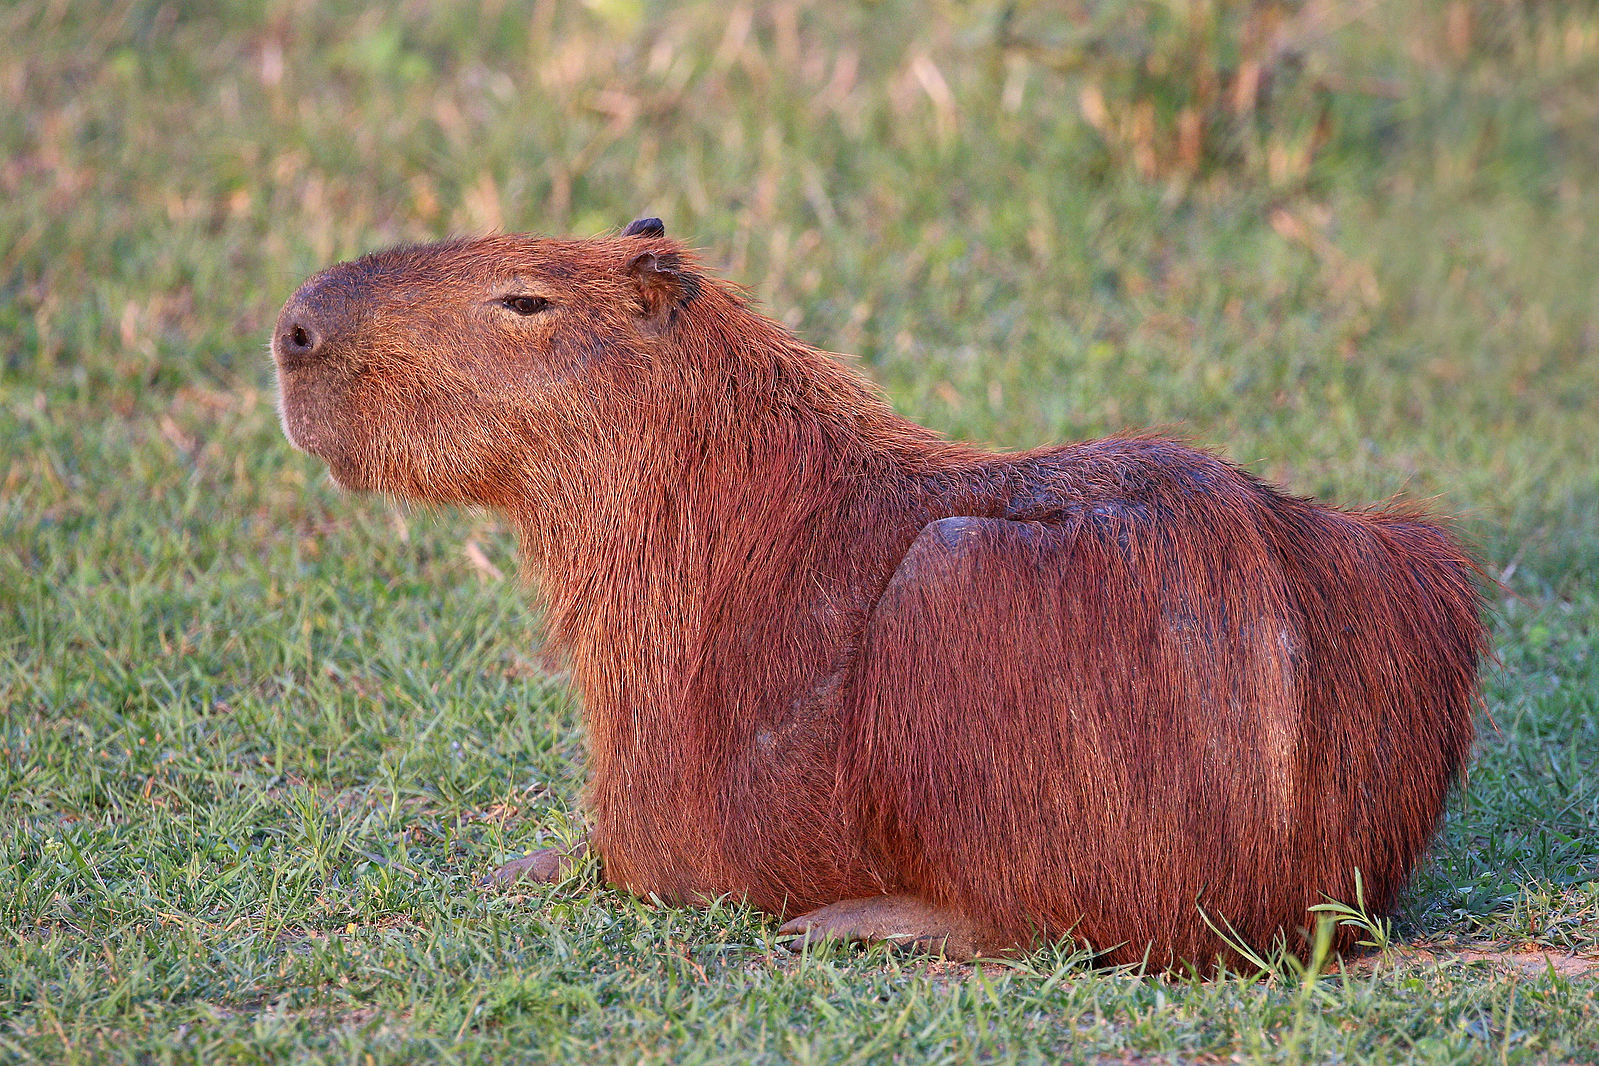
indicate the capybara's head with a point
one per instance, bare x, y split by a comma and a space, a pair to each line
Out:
436, 371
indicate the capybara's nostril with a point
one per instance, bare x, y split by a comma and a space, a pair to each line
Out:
298, 339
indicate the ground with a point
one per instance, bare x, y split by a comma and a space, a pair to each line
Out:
259, 740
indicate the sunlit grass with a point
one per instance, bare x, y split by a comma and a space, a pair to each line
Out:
259, 740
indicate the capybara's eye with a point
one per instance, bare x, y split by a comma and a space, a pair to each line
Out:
526, 305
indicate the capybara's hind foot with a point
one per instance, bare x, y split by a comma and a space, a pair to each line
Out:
546, 866
904, 921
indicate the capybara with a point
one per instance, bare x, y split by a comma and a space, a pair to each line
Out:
886, 685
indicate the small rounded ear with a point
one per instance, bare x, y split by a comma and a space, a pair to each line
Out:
645, 227
663, 285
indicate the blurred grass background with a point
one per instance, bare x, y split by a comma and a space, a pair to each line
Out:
258, 738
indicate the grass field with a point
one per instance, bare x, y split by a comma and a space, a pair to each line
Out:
259, 739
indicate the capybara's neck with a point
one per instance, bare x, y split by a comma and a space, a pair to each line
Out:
734, 490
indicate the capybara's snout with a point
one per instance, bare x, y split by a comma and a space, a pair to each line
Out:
315, 320
315, 344
298, 336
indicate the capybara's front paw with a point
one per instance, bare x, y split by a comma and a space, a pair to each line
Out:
545, 866
900, 920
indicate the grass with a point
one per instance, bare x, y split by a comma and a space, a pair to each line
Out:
258, 740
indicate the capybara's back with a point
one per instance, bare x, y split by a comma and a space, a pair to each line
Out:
887, 685
1202, 704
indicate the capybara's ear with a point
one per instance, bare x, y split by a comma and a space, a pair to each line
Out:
645, 227
662, 284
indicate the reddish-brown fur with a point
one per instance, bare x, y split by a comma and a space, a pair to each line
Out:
1123, 686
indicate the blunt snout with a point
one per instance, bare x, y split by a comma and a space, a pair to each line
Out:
315, 320
298, 338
